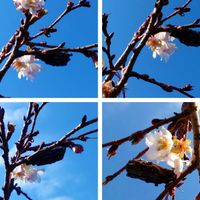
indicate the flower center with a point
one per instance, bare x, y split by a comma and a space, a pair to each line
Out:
19, 65
30, 3
163, 144
154, 43
181, 146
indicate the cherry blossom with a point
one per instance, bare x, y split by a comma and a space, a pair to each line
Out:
163, 147
26, 173
26, 67
32, 5
160, 145
161, 45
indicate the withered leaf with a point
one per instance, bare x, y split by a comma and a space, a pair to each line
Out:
149, 172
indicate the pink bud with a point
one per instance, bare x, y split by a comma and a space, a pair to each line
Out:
77, 148
11, 127
70, 4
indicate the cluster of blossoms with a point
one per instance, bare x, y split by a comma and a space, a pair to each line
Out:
26, 66
26, 173
32, 5
164, 147
161, 45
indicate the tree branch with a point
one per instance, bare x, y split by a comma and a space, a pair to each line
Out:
139, 135
164, 86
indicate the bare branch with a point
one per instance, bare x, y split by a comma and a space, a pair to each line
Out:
164, 86
139, 135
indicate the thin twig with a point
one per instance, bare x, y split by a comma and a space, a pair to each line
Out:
65, 12
108, 38
19, 192
176, 12
164, 86
113, 176
77, 49
81, 137
35, 117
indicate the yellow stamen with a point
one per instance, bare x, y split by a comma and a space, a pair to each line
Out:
162, 144
181, 147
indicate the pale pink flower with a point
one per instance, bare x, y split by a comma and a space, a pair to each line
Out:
27, 173
26, 66
161, 45
32, 5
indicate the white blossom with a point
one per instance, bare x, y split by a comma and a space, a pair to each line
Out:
32, 5
159, 144
161, 45
26, 66
164, 147
27, 173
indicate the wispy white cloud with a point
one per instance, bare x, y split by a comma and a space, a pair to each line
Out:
50, 185
15, 115
14, 112
61, 198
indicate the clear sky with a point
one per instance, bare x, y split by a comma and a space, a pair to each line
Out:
183, 66
79, 77
120, 120
73, 178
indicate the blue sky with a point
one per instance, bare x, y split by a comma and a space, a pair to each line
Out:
79, 77
183, 66
120, 120
75, 177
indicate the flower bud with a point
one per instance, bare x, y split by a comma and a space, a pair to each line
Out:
11, 130
42, 12
11, 127
77, 148
36, 106
70, 4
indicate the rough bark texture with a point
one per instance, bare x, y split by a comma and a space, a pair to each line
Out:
149, 172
